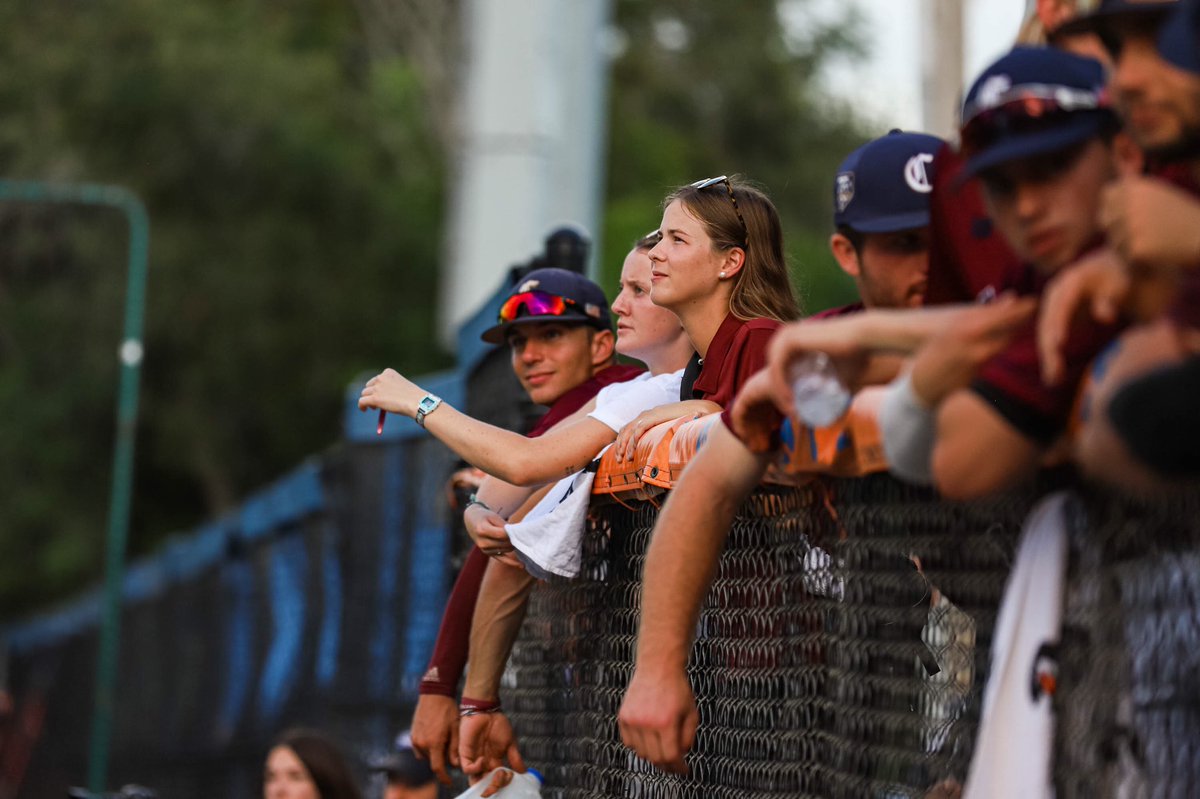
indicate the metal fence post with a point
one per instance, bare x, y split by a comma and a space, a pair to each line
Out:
131, 352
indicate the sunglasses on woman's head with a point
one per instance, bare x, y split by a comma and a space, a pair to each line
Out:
701, 185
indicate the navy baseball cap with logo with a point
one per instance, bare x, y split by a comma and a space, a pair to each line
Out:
551, 295
1179, 37
884, 186
1033, 101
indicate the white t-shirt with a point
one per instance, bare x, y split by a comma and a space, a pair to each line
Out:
620, 403
548, 540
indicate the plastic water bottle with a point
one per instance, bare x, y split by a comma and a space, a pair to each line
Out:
523, 786
819, 394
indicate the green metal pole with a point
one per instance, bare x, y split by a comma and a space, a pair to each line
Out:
123, 449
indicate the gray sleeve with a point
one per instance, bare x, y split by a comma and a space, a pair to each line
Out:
909, 430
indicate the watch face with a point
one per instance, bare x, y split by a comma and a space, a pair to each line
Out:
428, 404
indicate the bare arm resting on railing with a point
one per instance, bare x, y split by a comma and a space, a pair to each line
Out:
980, 450
503, 599
658, 718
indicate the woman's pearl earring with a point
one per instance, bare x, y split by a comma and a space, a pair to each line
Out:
722, 274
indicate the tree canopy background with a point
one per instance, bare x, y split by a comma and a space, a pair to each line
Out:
292, 157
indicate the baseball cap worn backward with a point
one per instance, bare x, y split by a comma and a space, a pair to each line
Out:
884, 185
1179, 36
1075, 82
587, 303
1108, 12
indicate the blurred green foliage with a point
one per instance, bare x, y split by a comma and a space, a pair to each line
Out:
294, 189
710, 88
292, 156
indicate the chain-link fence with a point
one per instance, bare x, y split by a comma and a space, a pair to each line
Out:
842, 650
838, 654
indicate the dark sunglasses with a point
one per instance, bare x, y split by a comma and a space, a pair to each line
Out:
536, 303
701, 185
1025, 109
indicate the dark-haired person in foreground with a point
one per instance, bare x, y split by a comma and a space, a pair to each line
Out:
558, 328
1038, 132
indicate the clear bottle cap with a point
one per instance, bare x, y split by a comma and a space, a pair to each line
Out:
818, 393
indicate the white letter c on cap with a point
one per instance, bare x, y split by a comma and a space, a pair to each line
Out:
915, 175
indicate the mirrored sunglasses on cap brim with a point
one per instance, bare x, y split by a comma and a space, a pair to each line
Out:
1026, 110
535, 303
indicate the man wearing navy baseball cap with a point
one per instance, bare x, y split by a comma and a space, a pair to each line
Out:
1038, 131
557, 324
559, 331
567, 296
881, 216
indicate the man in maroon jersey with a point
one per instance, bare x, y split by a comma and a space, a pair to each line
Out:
558, 328
1038, 132
881, 218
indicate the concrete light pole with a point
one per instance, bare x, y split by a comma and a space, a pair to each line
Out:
941, 47
530, 155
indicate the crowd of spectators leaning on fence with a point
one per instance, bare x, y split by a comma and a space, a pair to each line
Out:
1028, 296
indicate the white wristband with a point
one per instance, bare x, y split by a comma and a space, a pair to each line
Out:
909, 431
